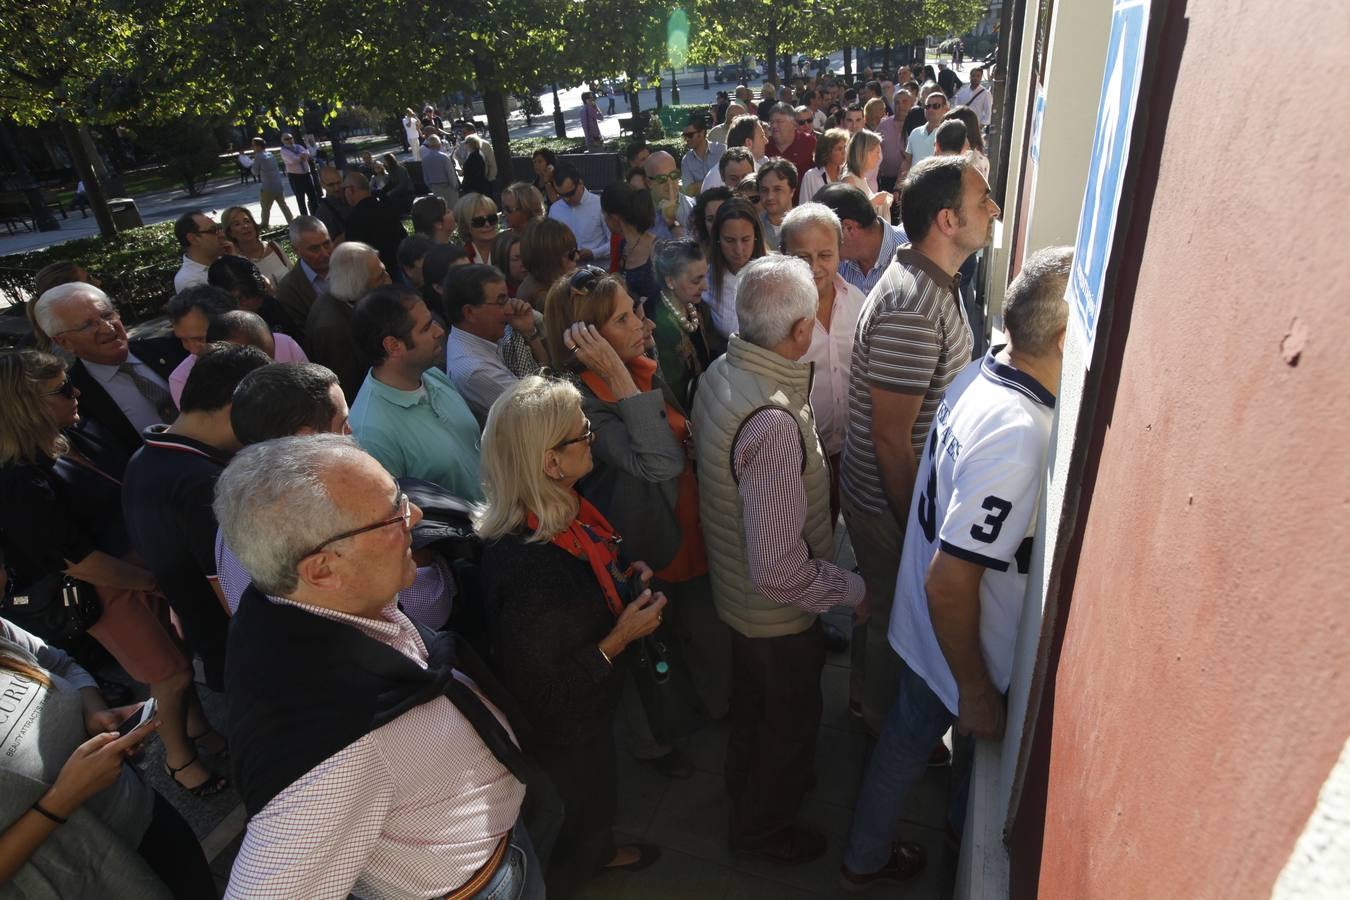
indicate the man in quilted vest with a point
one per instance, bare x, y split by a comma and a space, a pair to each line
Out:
765, 502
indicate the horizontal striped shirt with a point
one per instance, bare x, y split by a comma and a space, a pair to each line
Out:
912, 338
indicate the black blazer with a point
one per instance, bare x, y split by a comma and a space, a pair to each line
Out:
163, 354
377, 224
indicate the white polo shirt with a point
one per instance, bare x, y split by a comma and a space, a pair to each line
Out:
975, 498
921, 143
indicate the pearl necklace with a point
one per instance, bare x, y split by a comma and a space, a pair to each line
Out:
687, 320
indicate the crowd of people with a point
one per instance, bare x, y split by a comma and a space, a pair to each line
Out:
435, 510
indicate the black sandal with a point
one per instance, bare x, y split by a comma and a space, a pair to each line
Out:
208, 788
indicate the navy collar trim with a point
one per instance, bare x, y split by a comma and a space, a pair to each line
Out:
157, 436
1014, 379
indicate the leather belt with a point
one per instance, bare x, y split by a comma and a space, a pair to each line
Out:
484, 874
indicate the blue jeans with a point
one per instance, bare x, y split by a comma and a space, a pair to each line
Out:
518, 877
916, 722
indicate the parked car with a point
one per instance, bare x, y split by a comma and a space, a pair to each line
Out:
737, 73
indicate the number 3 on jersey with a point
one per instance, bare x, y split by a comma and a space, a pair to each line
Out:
987, 531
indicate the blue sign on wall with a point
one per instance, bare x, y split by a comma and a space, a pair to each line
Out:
1106, 172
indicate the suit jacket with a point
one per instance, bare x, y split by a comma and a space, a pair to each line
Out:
331, 344
377, 224
162, 354
296, 296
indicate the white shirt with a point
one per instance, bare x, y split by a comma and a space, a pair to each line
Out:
723, 305
975, 498
982, 105
139, 411
819, 119
814, 180
476, 368
832, 353
587, 222
189, 273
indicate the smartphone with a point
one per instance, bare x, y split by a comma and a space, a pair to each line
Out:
635, 585
138, 718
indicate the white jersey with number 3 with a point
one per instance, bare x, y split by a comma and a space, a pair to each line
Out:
975, 498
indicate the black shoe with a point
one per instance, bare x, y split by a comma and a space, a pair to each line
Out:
791, 846
673, 765
835, 639
647, 855
906, 861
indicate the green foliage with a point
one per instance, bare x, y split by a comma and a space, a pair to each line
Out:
189, 148
136, 267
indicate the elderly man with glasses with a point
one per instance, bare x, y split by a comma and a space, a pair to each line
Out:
478, 308
673, 207
702, 155
374, 756
123, 383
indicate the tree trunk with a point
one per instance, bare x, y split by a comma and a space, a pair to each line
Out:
93, 187
848, 63
494, 104
559, 123
890, 69
705, 78
674, 86
42, 216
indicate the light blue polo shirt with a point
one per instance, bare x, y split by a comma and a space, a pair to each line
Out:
428, 434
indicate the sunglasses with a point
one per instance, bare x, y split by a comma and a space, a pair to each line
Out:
482, 221
804, 121
404, 508
66, 390
587, 436
584, 278
662, 179
934, 105
566, 194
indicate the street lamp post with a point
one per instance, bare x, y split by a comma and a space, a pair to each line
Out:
674, 86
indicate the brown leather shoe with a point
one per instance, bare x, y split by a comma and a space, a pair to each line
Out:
907, 860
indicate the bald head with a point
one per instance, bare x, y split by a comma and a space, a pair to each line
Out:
659, 163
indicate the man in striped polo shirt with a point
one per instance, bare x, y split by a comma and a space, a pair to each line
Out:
912, 340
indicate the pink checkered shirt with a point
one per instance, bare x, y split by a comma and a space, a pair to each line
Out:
412, 809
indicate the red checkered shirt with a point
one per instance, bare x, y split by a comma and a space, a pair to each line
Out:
411, 809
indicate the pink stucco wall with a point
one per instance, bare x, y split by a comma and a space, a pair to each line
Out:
1203, 690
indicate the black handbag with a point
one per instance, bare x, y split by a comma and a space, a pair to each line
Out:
665, 687
58, 608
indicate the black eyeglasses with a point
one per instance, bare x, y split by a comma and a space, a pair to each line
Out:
588, 436
934, 105
481, 221
404, 508
215, 229
66, 390
584, 278
567, 194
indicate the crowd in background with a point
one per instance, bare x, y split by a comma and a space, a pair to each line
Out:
435, 509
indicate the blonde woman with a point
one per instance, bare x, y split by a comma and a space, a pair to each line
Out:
830, 151
562, 613
242, 229
522, 205
862, 159
476, 216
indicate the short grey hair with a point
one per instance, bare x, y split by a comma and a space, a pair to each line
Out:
809, 215
300, 225
347, 273
433, 141
1034, 309
44, 311
273, 506
773, 294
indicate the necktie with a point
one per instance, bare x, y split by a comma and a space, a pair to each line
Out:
159, 398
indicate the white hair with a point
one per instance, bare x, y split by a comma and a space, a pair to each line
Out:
273, 506
774, 293
347, 272
44, 311
806, 216
302, 224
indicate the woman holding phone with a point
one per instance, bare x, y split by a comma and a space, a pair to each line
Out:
77, 820
561, 614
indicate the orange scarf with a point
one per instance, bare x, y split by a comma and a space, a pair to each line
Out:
590, 537
691, 559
